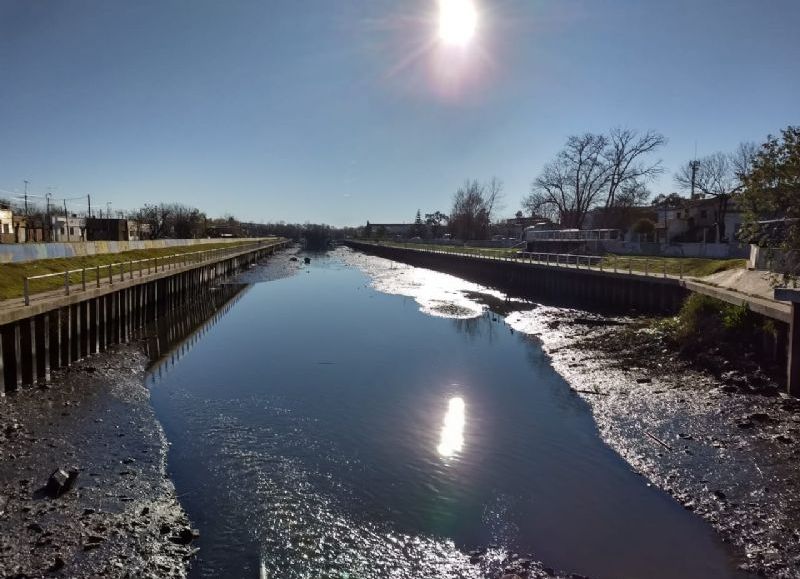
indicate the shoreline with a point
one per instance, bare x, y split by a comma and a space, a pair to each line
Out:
122, 518
722, 454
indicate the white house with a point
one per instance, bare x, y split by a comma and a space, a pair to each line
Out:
71, 228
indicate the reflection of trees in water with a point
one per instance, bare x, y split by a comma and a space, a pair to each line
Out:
480, 327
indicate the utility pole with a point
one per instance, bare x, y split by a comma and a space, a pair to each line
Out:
89, 198
694, 165
26, 195
66, 219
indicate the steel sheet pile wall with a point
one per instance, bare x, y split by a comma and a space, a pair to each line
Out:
33, 346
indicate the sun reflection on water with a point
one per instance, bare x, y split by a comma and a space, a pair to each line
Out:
452, 437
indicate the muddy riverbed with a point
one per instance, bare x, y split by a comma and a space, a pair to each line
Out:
122, 517
723, 452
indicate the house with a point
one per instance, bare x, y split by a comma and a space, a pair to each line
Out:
696, 221
6, 225
72, 228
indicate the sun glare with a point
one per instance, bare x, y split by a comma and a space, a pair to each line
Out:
458, 20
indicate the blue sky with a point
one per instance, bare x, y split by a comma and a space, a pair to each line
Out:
346, 110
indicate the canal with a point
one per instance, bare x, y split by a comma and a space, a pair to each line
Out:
359, 418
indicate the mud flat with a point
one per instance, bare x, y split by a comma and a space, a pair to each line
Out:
121, 518
731, 457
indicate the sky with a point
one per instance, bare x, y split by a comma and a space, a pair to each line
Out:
343, 111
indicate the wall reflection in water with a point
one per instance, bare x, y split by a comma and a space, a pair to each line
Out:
451, 441
171, 336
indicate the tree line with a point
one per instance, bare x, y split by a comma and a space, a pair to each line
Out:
613, 171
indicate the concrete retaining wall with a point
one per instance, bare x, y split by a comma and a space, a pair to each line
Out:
21, 252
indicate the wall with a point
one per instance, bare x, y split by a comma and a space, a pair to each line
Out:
598, 291
706, 250
17, 253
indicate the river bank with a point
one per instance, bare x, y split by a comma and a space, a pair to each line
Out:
122, 517
722, 451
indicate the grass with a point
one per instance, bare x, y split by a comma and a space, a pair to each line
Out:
12, 275
494, 251
689, 266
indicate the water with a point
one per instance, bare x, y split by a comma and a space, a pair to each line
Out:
324, 428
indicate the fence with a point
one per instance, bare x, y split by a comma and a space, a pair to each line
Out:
80, 279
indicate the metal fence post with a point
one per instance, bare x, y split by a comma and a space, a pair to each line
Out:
629, 266
26, 292
646, 267
66, 282
98, 276
83, 279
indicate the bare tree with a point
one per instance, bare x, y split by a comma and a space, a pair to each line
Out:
717, 176
624, 156
473, 207
574, 181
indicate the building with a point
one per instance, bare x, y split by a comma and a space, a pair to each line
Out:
391, 229
6, 225
108, 229
72, 228
696, 221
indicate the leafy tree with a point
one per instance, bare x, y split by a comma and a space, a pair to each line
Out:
435, 221
772, 186
418, 230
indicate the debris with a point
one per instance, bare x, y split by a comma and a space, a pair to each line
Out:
61, 481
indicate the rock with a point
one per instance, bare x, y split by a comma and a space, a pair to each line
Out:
61, 481
185, 536
35, 527
643, 380
57, 565
719, 495
760, 417
307, 259
292, 258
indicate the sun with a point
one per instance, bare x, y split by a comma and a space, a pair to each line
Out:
458, 20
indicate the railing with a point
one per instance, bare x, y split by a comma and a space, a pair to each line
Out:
105, 274
616, 264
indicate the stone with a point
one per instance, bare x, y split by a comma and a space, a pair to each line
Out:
185, 536
61, 481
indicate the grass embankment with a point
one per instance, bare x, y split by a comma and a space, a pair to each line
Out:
689, 266
12, 275
493, 251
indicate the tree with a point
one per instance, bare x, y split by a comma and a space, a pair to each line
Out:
574, 181
434, 221
771, 188
367, 232
473, 207
418, 230
717, 176
592, 169
624, 155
